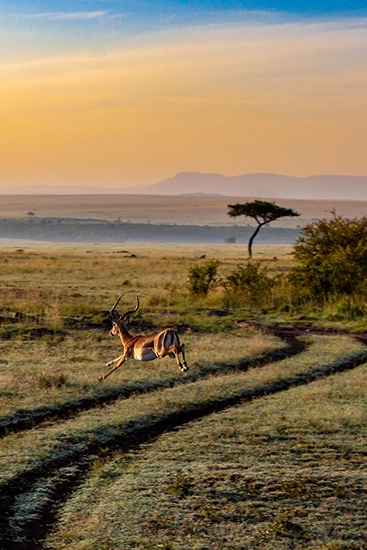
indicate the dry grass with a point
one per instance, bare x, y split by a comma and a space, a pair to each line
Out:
55, 370
124, 412
66, 281
100, 426
54, 287
278, 473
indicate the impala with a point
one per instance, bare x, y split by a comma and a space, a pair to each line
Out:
143, 348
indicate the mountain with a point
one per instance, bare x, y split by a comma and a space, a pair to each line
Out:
271, 186
266, 186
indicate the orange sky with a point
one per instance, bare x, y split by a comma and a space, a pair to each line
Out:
261, 96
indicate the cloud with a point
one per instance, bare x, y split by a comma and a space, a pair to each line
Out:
284, 96
270, 60
71, 16
299, 68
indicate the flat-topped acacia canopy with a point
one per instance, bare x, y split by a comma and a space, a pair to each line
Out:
262, 212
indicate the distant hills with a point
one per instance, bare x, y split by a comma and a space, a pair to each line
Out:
261, 185
272, 186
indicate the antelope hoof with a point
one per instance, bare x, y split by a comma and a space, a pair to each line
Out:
100, 378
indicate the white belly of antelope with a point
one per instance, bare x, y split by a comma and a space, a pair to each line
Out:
144, 355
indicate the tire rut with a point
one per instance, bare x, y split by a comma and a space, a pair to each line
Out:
31, 418
34, 532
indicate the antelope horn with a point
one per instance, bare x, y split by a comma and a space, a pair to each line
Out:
114, 306
127, 313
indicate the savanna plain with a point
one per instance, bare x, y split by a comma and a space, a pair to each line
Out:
260, 445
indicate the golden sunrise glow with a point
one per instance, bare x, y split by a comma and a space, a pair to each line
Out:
287, 98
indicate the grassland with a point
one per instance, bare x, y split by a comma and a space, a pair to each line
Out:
151, 218
262, 475
260, 445
158, 209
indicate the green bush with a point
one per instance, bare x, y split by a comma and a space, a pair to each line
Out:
332, 260
203, 278
250, 284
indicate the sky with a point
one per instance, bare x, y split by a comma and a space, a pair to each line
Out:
123, 93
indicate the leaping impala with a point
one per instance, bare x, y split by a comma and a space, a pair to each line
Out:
143, 348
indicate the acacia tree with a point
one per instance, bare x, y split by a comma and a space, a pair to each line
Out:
262, 212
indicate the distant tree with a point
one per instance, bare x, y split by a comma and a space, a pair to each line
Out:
262, 212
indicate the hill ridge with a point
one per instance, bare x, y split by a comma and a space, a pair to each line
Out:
264, 185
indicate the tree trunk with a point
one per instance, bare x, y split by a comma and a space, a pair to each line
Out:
252, 239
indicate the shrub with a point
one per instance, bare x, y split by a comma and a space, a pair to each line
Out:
203, 278
250, 284
332, 259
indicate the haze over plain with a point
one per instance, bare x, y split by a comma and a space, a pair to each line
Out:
111, 95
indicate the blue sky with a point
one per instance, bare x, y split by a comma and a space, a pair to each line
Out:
52, 25
132, 92
300, 6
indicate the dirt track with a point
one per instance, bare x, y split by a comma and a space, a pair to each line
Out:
36, 529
